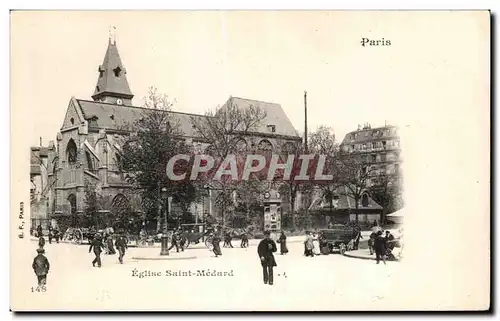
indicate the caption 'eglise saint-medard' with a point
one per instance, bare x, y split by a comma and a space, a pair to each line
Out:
306, 167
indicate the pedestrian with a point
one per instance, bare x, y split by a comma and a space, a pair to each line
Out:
244, 240
41, 241
308, 245
380, 247
41, 267
39, 231
357, 237
57, 234
109, 243
216, 244
50, 234
97, 246
121, 246
282, 241
176, 240
227, 239
265, 250
316, 250
371, 241
390, 240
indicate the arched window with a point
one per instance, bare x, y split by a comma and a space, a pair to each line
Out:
120, 210
265, 145
364, 200
90, 163
289, 147
72, 203
71, 152
241, 145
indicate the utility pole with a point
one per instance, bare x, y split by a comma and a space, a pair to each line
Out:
305, 122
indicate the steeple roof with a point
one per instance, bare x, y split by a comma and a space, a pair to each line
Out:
112, 79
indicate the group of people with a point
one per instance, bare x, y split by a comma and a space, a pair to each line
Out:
382, 245
312, 244
98, 246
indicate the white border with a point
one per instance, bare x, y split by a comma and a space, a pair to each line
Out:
178, 5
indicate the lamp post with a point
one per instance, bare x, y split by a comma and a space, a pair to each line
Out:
164, 236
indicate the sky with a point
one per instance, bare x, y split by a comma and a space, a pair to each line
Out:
200, 59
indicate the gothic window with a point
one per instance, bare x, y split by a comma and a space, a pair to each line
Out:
72, 120
117, 71
364, 200
289, 147
72, 203
241, 145
120, 209
90, 164
265, 145
97, 88
71, 152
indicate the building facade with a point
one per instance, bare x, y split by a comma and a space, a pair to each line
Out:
88, 146
377, 147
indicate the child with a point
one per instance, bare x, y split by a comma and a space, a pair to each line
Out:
41, 267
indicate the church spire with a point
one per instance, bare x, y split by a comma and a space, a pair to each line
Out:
112, 85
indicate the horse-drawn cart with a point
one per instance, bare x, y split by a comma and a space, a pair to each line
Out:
338, 238
79, 235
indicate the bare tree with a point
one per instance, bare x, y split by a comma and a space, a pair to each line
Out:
386, 191
224, 130
322, 142
355, 178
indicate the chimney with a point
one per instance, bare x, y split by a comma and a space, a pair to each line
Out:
41, 142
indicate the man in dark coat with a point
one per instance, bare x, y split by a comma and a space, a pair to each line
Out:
380, 247
41, 267
39, 231
41, 241
282, 241
97, 245
56, 233
216, 244
50, 235
371, 241
121, 245
265, 250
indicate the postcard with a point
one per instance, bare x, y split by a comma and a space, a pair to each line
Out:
250, 160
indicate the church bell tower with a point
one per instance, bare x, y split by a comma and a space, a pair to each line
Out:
112, 85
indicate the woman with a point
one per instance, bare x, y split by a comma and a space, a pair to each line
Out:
308, 244
109, 243
216, 244
316, 250
282, 241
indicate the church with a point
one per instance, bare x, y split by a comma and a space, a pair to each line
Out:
88, 149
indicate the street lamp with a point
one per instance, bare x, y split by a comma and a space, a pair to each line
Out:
164, 236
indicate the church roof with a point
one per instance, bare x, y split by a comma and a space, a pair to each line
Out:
112, 74
116, 117
275, 116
